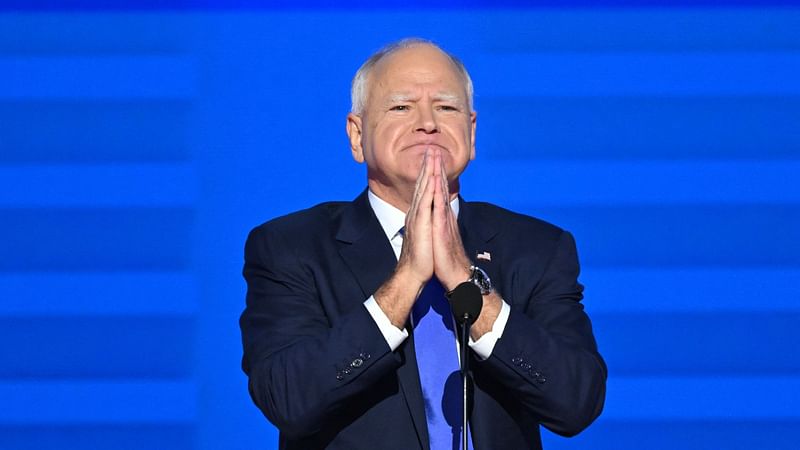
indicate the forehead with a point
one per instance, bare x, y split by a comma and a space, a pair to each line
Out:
413, 68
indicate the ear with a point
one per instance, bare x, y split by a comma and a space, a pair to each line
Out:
354, 124
473, 123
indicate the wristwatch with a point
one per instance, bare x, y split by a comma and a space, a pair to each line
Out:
479, 278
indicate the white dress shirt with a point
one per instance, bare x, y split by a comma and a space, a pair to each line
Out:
392, 220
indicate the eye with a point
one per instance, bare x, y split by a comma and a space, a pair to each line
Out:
399, 108
448, 108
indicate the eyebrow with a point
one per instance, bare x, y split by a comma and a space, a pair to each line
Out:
447, 97
399, 97
402, 97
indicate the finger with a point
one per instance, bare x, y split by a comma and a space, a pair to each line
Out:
437, 191
435, 176
444, 195
440, 203
422, 169
422, 179
444, 182
423, 210
427, 171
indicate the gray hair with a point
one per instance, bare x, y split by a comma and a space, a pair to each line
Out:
358, 91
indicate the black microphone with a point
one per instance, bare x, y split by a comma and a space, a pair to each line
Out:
466, 301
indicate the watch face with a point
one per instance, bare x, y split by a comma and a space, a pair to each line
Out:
481, 279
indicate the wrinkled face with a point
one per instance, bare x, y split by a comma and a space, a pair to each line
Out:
416, 100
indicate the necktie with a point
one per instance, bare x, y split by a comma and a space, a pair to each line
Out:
438, 364
437, 359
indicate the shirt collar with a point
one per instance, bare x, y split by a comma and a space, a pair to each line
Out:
391, 218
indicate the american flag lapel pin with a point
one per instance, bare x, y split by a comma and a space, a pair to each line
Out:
486, 256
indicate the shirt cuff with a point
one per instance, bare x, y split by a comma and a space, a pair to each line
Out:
393, 335
484, 346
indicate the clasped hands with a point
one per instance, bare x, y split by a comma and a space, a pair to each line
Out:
431, 247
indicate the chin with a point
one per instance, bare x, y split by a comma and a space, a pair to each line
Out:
414, 162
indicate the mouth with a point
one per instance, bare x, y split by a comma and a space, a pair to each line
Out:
422, 146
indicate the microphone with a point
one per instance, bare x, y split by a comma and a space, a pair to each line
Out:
466, 302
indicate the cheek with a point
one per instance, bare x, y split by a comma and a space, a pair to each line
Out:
386, 138
461, 135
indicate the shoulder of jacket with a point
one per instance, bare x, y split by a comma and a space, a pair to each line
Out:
314, 219
513, 222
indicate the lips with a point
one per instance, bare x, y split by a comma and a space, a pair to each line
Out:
423, 146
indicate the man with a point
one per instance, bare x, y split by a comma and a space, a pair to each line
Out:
334, 345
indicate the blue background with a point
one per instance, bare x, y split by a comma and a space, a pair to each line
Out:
140, 142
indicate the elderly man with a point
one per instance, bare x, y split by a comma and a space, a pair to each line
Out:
348, 338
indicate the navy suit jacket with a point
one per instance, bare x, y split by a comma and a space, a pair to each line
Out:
321, 371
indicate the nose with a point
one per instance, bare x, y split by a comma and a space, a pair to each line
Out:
426, 121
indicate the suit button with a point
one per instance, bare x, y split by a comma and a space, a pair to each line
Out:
347, 370
339, 376
364, 355
516, 360
527, 366
541, 380
358, 362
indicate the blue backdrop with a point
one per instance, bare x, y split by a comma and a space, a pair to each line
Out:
139, 144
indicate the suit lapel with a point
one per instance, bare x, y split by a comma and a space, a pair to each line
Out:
370, 258
408, 373
364, 247
476, 234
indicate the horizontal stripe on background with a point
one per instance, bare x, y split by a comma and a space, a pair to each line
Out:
95, 34
677, 236
93, 131
622, 184
638, 128
101, 77
94, 402
690, 290
129, 436
65, 294
113, 239
178, 5
600, 74
720, 344
633, 30
732, 397
69, 347
97, 186
488, 31
728, 434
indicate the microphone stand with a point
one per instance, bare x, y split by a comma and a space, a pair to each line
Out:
466, 301
466, 324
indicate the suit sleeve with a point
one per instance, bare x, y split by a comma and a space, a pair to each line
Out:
547, 358
302, 367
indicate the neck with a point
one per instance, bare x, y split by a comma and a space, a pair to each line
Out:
401, 198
